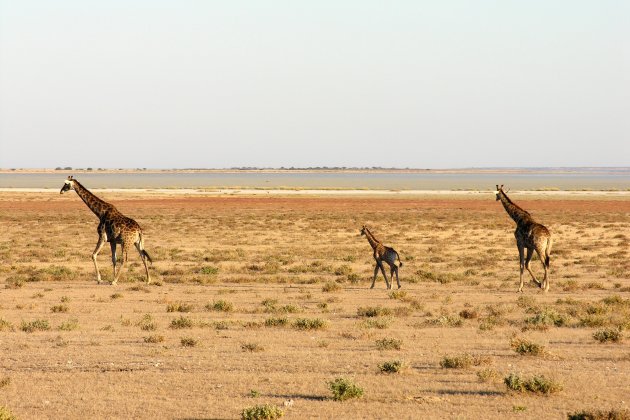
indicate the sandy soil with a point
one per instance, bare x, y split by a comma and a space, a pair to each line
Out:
237, 265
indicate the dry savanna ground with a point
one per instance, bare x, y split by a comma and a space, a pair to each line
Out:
266, 301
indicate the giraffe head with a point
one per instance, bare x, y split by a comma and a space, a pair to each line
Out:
499, 191
68, 185
363, 229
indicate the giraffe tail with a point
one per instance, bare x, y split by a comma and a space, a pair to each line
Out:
547, 252
399, 262
146, 254
143, 251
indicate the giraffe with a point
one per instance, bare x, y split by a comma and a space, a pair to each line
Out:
113, 227
530, 235
382, 253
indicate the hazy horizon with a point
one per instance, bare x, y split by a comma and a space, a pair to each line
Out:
433, 85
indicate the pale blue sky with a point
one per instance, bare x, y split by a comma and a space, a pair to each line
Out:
426, 84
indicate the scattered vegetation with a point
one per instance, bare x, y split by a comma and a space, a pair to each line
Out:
310, 324
373, 311
276, 322
154, 339
262, 412
70, 325
331, 286
608, 335
5, 414
179, 307
36, 325
344, 389
463, 361
59, 308
389, 344
538, 384
393, 366
146, 323
526, 347
6, 325
181, 322
220, 306
188, 342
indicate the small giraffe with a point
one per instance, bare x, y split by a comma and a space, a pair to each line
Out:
382, 253
113, 228
530, 235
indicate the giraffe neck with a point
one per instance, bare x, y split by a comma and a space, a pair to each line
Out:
98, 206
371, 239
516, 213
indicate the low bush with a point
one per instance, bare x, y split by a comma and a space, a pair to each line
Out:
262, 412
344, 389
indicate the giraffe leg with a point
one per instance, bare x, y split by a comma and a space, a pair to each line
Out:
112, 245
375, 274
380, 264
530, 252
123, 252
393, 270
99, 246
144, 261
521, 259
545, 282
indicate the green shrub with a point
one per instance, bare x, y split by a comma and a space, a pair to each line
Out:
179, 307
463, 361
6, 325
70, 325
37, 325
59, 308
394, 366
188, 342
146, 323
220, 306
262, 412
547, 317
373, 311
388, 344
487, 375
537, 384
5, 414
397, 294
344, 389
181, 322
608, 335
331, 286
276, 322
209, 270
526, 348
378, 323
309, 323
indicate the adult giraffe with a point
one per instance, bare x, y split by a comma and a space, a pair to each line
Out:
382, 253
113, 227
530, 235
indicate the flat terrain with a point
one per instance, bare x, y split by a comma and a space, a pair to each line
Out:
261, 300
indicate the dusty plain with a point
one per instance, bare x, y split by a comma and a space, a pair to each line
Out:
261, 300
